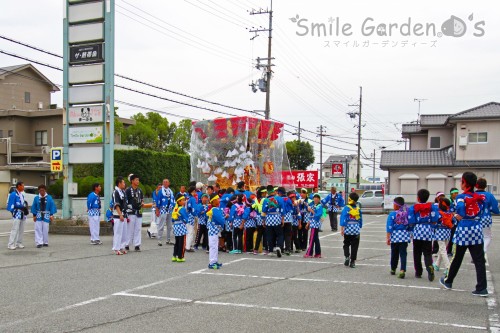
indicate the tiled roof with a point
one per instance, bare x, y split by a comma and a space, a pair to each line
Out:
8, 69
5, 71
411, 128
428, 158
485, 111
434, 119
338, 158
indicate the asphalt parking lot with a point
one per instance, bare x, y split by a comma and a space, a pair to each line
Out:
72, 286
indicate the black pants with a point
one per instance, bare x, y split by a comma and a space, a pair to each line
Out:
435, 247
398, 250
249, 239
314, 243
179, 246
238, 239
274, 237
303, 236
287, 234
261, 236
295, 238
228, 238
202, 234
333, 220
477, 253
450, 243
351, 242
421, 247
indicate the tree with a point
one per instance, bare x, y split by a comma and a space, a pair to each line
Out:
300, 154
154, 132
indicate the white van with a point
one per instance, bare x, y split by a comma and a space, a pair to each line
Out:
372, 199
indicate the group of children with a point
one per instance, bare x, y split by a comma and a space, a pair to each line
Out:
271, 220
464, 221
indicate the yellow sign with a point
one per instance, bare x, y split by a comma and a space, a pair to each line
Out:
56, 160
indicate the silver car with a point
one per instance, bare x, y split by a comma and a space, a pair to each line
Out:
372, 199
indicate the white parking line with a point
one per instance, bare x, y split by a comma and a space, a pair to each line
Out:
327, 313
377, 284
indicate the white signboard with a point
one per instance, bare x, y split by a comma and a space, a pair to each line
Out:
90, 134
83, 155
86, 12
86, 33
86, 74
86, 114
92, 93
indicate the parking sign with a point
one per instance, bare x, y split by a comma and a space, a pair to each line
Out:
56, 160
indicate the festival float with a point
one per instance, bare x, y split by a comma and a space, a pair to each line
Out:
229, 150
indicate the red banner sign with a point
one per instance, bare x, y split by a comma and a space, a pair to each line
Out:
337, 169
299, 179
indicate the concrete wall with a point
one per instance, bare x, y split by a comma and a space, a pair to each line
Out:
13, 87
418, 142
479, 151
446, 135
452, 179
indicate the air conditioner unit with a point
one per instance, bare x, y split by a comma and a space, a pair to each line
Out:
14, 181
40, 105
462, 141
45, 150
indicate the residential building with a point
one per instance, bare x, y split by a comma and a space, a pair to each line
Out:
330, 179
442, 147
29, 127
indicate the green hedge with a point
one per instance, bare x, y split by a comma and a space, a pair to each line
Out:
152, 167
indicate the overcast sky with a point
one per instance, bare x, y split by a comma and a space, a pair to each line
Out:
201, 48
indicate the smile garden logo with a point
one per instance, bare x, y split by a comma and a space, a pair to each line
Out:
452, 27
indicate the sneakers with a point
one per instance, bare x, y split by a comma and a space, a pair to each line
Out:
266, 253
255, 252
213, 266
218, 264
278, 252
190, 250
137, 249
307, 256
445, 284
98, 242
401, 275
21, 246
317, 256
181, 259
287, 253
234, 252
297, 251
123, 251
196, 248
430, 273
481, 293
118, 253
127, 248
92, 242
174, 259
39, 246
149, 233
160, 244
346, 261
13, 247
393, 272
46, 245
353, 264
417, 276
436, 267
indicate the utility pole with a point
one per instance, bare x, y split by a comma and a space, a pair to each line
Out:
298, 132
268, 71
373, 179
321, 130
353, 115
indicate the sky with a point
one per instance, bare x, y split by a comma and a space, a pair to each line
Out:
203, 48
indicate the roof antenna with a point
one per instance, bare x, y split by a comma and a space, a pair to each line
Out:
419, 100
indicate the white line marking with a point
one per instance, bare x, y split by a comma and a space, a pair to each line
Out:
361, 248
5, 234
493, 318
330, 281
362, 240
337, 314
173, 299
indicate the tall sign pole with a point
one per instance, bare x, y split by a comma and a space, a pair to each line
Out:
88, 93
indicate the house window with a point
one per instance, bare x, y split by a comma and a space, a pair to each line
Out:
1, 133
478, 137
27, 97
435, 142
11, 133
40, 138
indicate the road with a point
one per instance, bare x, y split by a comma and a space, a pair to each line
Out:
72, 286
